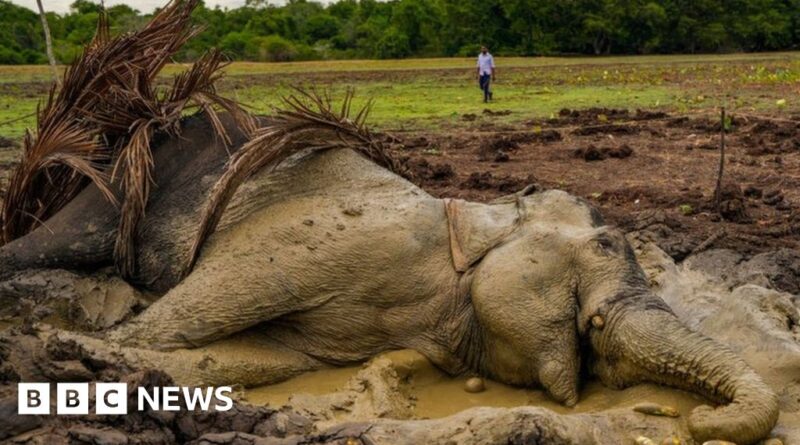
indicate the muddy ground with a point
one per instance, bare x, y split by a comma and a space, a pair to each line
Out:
732, 274
641, 168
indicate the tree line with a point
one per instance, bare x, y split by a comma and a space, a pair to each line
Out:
349, 29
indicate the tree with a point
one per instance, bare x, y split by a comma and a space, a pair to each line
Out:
393, 45
420, 21
527, 18
310, 29
48, 43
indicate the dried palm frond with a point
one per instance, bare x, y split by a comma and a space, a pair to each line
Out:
50, 175
104, 65
136, 164
160, 111
307, 121
101, 33
196, 86
108, 96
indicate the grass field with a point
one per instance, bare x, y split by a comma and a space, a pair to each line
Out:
429, 93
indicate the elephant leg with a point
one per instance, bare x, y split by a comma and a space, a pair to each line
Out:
249, 359
232, 289
210, 304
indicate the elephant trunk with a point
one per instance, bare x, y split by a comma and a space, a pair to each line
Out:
650, 344
34, 252
80, 235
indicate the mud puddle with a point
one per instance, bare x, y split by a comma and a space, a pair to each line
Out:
435, 394
315, 383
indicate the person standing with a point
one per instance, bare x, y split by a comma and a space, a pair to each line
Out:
486, 73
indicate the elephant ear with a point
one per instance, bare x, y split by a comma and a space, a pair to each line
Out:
477, 228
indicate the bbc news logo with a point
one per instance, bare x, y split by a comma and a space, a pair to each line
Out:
112, 398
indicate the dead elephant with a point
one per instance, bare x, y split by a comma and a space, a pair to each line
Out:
331, 259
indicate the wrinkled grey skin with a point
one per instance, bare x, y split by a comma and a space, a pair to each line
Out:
332, 259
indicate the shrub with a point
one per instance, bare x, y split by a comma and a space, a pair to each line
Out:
393, 45
275, 48
469, 50
10, 57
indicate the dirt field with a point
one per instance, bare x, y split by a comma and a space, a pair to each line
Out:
643, 169
651, 171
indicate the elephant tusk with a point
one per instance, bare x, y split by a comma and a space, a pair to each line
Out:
598, 322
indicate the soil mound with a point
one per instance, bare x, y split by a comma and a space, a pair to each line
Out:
593, 153
504, 184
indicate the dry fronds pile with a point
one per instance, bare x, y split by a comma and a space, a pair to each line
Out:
308, 121
98, 126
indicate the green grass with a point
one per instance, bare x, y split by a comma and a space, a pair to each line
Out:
12, 108
433, 92
427, 104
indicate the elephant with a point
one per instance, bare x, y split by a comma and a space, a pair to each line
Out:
330, 259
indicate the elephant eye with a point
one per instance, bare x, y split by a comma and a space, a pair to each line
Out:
605, 243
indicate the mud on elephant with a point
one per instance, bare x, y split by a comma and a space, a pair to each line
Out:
330, 259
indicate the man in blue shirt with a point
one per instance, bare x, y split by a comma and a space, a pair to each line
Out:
486, 72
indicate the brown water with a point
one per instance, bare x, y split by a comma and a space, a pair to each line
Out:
439, 395
316, 383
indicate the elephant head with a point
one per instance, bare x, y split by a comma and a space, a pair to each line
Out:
548, 277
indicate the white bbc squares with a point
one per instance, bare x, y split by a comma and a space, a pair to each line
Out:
33, 398
72, 398
111, 398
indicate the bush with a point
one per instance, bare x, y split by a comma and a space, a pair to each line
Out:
238, 44
275, 48
32, 57
66, 52
10, 57
308, 52
469, 50
393, 45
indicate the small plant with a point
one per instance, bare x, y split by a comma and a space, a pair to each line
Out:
727, 123
686, 209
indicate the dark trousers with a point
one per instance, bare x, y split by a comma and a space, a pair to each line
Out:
485, 82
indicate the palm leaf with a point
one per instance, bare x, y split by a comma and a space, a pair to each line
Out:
49, 175
135, 164
108, 101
